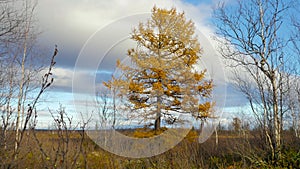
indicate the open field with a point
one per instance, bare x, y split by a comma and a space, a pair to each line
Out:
73, 149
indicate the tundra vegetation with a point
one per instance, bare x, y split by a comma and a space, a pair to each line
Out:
162, 83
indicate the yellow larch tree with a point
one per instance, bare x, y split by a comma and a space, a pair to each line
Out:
163, 80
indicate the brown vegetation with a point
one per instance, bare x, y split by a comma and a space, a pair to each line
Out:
234, 150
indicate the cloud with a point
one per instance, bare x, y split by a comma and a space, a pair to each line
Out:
69, 24
63, 80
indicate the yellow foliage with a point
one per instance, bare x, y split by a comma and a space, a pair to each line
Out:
147, 133
173, 88
204, 109
199, 76
107, 84
163, 60
118, 63
157, 86
176, 102
158, 73
139, 105
192, 136
205, 88
135, 87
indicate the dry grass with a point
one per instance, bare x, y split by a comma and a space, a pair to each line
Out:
230, 152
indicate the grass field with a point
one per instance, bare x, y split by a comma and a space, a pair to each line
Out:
74, 149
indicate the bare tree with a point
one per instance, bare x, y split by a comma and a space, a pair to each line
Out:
294, 95
107, 100
236, 124
11, 19
66, 149
8, 120
25, 78
21, 64
251, 41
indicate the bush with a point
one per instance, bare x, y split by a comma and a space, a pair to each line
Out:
147, 133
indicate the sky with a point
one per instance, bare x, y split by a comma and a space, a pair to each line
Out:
92, 34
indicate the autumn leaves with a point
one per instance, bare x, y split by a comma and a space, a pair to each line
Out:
163, 80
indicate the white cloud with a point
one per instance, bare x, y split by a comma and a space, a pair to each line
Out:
63, 79
77, 19
69, 23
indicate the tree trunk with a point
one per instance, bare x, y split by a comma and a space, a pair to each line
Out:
20, 96
158, 115
114, 108
277, 124
157, 122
